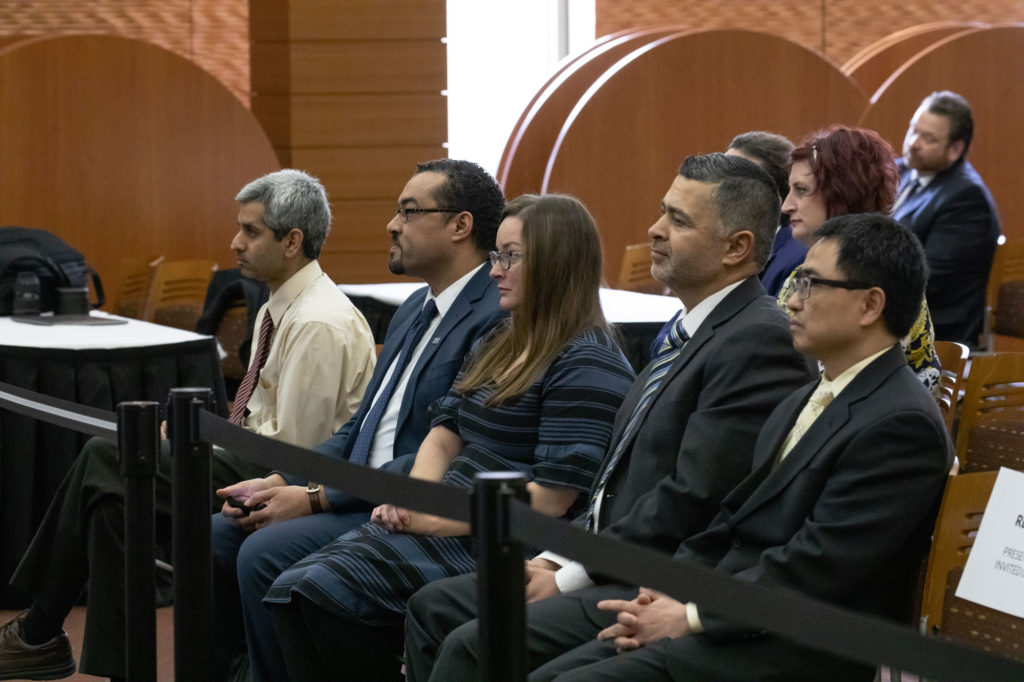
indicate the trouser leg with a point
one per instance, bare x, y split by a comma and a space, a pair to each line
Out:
554, 626
103, 644
344, 648
55, 567
598, 662
437, 609
261, 559
225, 537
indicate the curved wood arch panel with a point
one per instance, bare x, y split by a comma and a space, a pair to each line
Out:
122, 147
873, 65
562, 66
984, 66
529, 146
622, 144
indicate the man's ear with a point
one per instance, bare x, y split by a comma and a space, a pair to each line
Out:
955, 151
292, 242
461, 226
873, 306
739, 247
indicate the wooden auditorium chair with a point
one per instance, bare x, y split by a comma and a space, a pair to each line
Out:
952, 358
135, 276
994, 392
178, 291
635, 273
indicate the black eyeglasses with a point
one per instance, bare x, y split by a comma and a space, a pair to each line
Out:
805, 282
506, 258
404, 212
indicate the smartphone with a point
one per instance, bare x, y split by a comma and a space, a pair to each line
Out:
237, 503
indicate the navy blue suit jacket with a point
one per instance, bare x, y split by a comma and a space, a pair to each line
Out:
787, 254
473, 313
956, 221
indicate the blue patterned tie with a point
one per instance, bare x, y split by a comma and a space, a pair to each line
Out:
361, 448
660, 366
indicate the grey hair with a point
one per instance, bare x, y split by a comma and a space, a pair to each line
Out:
292, 199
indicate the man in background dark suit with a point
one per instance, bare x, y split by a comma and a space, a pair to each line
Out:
841, 501
444, 226
944, 201
675, 455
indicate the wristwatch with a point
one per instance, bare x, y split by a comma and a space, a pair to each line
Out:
313, 490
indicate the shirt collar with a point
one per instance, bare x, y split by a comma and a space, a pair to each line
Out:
843, 380
446, 298
922, 179
290, 290
693, 319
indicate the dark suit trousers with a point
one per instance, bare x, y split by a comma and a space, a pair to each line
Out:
696, 658
80, 543
441, 630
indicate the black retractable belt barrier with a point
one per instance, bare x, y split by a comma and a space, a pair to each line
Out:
69, 415
193, 568
500, 585
810, 622
813, 623
139, 442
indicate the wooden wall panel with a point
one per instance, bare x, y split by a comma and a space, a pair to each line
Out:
655, 107
108, 159
358, 66
962, 63
212, 33
363, 173
340, 120
837, 28
351, 92
874, 65
367, 19
526, 154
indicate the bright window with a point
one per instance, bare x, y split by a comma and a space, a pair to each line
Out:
500, 53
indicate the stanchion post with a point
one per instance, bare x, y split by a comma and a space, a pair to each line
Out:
138, 435
190, 527
501, 587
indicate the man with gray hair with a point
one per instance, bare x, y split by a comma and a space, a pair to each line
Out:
312, 362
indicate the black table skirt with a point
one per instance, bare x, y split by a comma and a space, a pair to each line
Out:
35, 456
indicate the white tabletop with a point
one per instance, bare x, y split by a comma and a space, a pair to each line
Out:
80, 337
620, 307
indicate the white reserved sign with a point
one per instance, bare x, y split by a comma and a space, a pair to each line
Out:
994, 575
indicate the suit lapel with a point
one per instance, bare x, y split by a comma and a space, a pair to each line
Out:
831, 421
460, 308
737, 300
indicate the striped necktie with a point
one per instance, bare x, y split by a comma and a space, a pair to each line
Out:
248, 385
660, 366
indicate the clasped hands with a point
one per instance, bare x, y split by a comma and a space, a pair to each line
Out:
649, 617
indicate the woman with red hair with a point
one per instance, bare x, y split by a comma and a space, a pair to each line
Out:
843, 170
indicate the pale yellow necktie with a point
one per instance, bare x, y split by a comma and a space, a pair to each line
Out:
816, 404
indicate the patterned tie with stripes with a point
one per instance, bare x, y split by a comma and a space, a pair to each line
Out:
248, 385
660, 366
